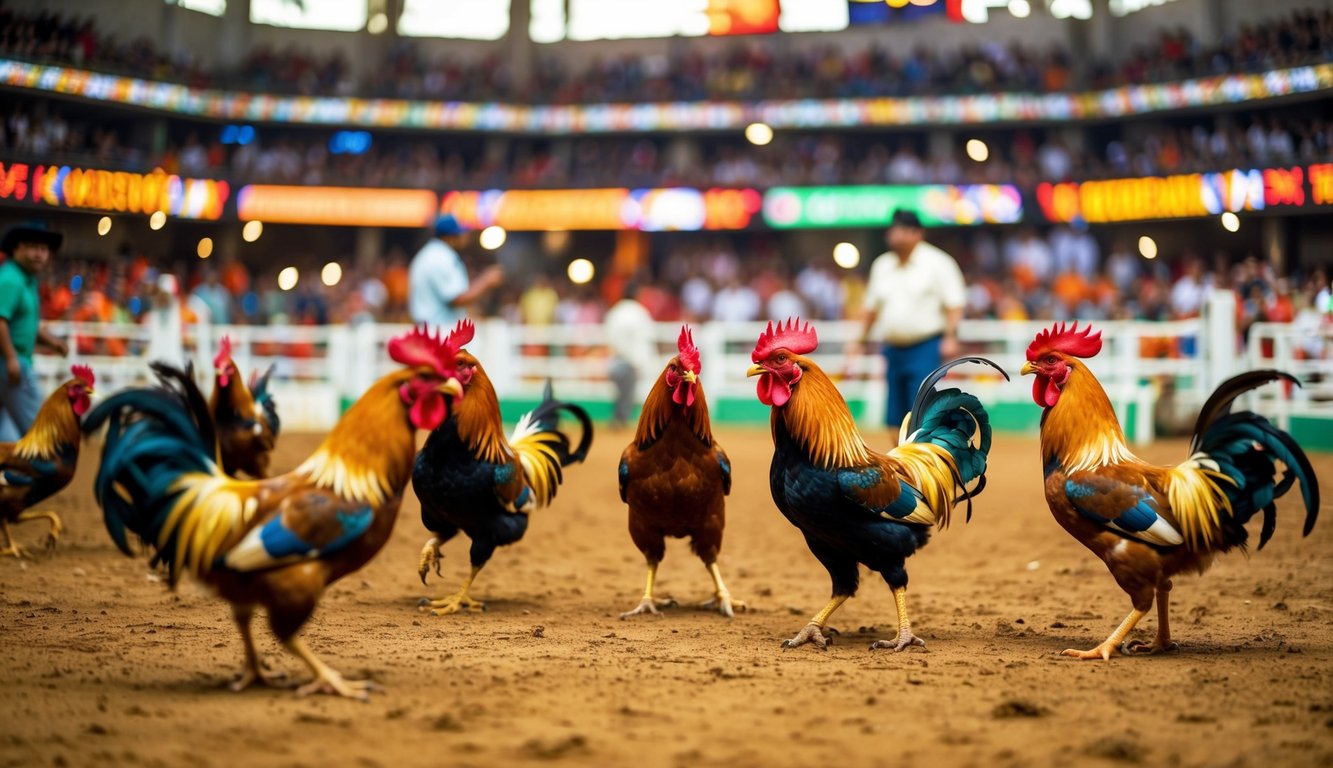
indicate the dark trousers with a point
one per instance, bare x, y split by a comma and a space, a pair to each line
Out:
908, 367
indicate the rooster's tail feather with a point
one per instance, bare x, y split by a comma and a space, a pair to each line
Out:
949, 419
1229, 476
160, 476
543, 449
264, 398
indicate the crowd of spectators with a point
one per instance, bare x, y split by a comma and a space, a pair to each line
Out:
1022, 275
754, 68
1018, 156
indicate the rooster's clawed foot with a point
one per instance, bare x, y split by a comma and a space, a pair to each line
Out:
810, 633
650, 605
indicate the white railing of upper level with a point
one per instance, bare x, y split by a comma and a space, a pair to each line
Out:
319, 368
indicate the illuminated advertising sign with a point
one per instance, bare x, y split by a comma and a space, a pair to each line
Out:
117, 191
882, 11
339, 206
648, 210
986, 108
872, 206
1178, 197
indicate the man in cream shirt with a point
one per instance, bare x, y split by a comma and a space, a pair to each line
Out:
914, 299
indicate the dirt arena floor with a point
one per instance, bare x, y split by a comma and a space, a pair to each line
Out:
102, 665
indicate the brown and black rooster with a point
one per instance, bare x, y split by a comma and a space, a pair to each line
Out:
1149, 523
675, 477
43, 461
276, 543
246, 416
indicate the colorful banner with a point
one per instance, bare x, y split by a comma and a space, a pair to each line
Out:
872, 206
673, 116
1185, 195
648, 210
117, 191
339, 206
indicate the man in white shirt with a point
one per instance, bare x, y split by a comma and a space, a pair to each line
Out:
632, 336
438, 285
913, 302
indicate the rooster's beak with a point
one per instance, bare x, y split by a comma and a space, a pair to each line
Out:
450, 387
756, 370
1027, 368
690, 377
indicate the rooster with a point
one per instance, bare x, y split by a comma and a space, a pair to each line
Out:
469, 477
1146, 522
246, 417
43, 461
277, 542
675, 477
855, 505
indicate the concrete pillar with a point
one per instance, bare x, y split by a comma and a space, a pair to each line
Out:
522, 53
234, 37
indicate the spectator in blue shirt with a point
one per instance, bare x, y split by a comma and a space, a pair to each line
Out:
438, 286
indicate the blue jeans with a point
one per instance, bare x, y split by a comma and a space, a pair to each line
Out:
907, 367
19, 403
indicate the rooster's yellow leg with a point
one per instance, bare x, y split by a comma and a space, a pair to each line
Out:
722, 601
648, 604
1111, 645
430, 556
458, 602
812, 632
1164, 641
11, 548
905, 637
252, 672
327, 679
56, 527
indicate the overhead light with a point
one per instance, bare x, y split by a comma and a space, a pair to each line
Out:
580, 271
758, 134
287, 278
1019, 9
104, 225
1147, 247
1230, 222
331, 274
977, 150
377, 24
492, 237
252, 230
156, 221
846, 255
205, 248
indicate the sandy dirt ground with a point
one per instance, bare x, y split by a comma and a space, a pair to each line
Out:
104, 666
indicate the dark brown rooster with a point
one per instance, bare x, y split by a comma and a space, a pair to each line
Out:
675, 477
246, 416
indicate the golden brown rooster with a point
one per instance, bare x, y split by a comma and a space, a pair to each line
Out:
675, 477
280, 542
1146, 522
246, 416
468, 477
43, 461
853, 504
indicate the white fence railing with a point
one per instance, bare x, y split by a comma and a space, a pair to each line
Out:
318, 369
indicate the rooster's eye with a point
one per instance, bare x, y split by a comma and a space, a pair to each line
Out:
782, 359
1050, 360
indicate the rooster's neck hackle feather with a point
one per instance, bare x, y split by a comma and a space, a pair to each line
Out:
55, 427
818, 418
478, 416
368, 455
1081, 430
659, 410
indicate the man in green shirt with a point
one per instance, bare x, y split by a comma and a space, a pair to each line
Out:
27, 247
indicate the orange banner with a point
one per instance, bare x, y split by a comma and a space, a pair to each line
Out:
345, 206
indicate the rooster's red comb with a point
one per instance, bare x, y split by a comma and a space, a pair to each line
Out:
460, 335
689, 354
83, 373
793, 336
224, 352
1067, 341
420, 347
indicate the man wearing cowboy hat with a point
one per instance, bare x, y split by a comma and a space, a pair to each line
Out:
28, 248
